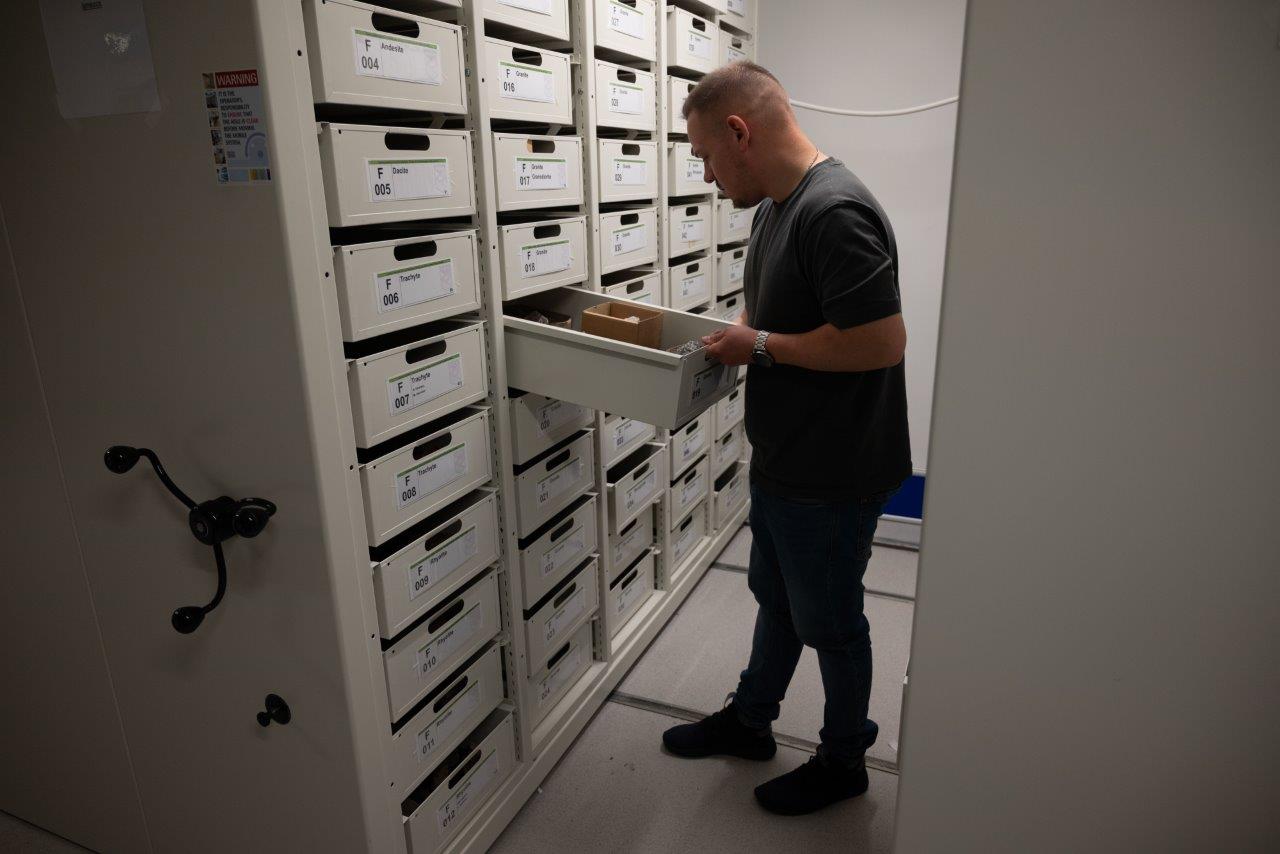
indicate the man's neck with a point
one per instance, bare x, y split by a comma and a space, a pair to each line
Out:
794, 162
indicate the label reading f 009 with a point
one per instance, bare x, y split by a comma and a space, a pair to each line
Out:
737, 270
692, 230
542, 173
392, 58
639, 491
555, 484
564, 615
626, 99
449, 641
699, 45
468, 792
423, 385
434, 473
629, 172
625, 20
543, 259
447, 723
556, 414
692, 286
527, 83
402, 180
565, 551
693, 170
443, 562
397, 289
630, 239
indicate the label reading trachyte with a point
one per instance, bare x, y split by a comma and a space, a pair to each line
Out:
542, 173
237, 126
430, 475
409, 178
442, 562
408, 286
424, 384
393, 58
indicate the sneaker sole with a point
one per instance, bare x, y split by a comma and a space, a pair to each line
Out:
761, 756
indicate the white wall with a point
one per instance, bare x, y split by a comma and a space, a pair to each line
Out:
1097, 666
883, 54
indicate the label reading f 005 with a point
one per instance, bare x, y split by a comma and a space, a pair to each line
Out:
639, 491
565, 551
692, 286
423, 385
443, 562
397, 289
447, 723
556, 414
392, 58
468, 792
432, 474
692, 230
625, 20
564, 615
527, 83
449, 641
630, 239
699, 45
625, 99
629, 172
693, 170
543, 259
402, 180
555, 484
542, 173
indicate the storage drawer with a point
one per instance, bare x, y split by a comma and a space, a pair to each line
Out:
678, 89
729, 410
728, 449
690, 283
539, 422
685, 173
409, 484
741, 14
638, 286
690, 442
731, 271
453, 631
734, 47
551, 483
653, 385
453, 794
544, 17
560, 672
621, 436
528, 84
688, 228
729, 309
537, 171
628, 239
630, 590
688, 489
691, 41
394, 284
627, 26
408, 385
687, 536
383, 174
626, 98
635, 537
733, 225
452, 711
628, 170
554, 550
543, 254
634, 484
410, 582
371, 56
730, 493
569, 605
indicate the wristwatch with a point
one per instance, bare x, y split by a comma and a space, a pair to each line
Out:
759, 355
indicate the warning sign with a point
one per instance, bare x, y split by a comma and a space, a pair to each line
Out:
237, 126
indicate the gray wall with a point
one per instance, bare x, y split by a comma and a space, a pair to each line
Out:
1096, 659
884, 54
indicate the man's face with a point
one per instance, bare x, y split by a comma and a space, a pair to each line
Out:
725, 160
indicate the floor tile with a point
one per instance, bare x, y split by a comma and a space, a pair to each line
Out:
893, 571
738, 551
616, 790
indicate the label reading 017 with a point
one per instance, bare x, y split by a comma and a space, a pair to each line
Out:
542, 173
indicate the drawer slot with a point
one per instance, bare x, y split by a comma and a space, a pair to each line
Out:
570, 604
555, 549
628, 170
625, 97
634, 484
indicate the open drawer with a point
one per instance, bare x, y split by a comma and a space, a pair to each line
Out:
654, 386
555, 549
539, 422
628, 591
634, 484
562, 610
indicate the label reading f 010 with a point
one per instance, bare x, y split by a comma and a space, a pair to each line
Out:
442, 727
432, 474
468, 792
625, 20
442, 648
408, 286
391, 58
629, 172
692, 230
423, 385
402, 180
443, 562
630, 239
543, 259
626, 99
527, 83
542, 173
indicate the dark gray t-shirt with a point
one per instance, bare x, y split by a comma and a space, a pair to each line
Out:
826, 254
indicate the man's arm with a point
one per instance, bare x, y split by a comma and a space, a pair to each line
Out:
866, 347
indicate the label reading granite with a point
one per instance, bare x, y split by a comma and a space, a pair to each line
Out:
626, 99
526, 83
629, 172
542, 259
442, 727
630, 239
542, 173
692, 230
625, 20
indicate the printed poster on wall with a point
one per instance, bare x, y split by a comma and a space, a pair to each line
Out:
237, 126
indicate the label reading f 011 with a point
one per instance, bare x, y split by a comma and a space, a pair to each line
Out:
692, 230
625, 20
392, 58
699, 45
692, 286
543, 259
565, 551
408, 286
629, 172
449, 641
625, 99
693, 170
401, 180
442, 727
423, 385
443, 562
630, 239
430, 475
555, 484
527, 83
468, 792
542, 173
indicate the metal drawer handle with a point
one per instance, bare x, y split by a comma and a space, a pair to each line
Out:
445, 533
445, 616
564, 597
454, 690
426, 351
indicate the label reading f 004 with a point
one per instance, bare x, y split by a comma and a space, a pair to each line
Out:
555, 484
625, 20
630, 239
447, 723
564, 615
408, 286
542, 173
402, 180
625, 99
468, 792
527, 83
392, 58
423, 385
565, 551
629, 172
693, 170
699, 45
692, 230
692, 286
434, 473
443, 562
543, 259
449, 641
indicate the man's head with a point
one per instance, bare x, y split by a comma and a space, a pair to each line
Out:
741, 124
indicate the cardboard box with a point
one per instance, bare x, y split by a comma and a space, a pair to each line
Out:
627, 322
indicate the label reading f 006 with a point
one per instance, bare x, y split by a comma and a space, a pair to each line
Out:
625, 20
542, 173
564, 615
565, 551
693, 170
543, 259
625, 99
692, 286
699, 45
555, 484
630, 239
447, 723
692, 230
527, 83
449, 641
468, 792
443, 562
397, 289
423, 385
629, 172
432, 474
402, 180
392, 58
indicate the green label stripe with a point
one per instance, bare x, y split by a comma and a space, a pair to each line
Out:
419, 465
542, 160
629, 160
525, 67
394, 162
626, 86
397, 39
540, 245
699, 35
628, 228
419, 370
441, 548
699, 219
417, 267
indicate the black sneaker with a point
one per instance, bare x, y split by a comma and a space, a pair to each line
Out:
720, 734
811, 787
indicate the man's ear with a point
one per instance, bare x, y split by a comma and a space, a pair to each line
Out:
741, 133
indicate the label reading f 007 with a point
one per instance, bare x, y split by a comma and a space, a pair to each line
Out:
527, 83
449, 641
468, 792
402, 180
692, 286
447, 723
555, 484
564, 615
630, 239
392, 58
629, 172
408, 286
692, 230
542, 173
543, 259
693, 170
423, 385
625, 20
443, 562
626, 99
565, 551
699, 45
434, 473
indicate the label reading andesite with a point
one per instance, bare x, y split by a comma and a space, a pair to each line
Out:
630, 239
392, 58
527, 83
692, 230
402, 180
543, 259
629, 172
423, 385
469, 791
542, 173
442, 648
625, 20
565, 551
555, 484
408, 286
626, 99
442, 562
430, 475
448, 722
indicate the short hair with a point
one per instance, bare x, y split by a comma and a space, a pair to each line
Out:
739, 87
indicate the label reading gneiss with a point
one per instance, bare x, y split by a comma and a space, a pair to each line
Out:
423, 385
629, 172
430, 475
625, 20
443, 562
526, 83
693, 170
442, 727
469, 791
694, 285
556, 414
565, 551
630, 239
396, 289
639, 491
692, 230
401, 180
564, 615
542, 173
392, 58
699, 45
555, 484
449, 641
626, 99
542, 259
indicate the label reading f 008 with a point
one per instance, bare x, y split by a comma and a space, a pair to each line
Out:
402, 180
432, 474
693, 170
692, 286
625, 20
443, 562
447, 723
449, 641
542, 173
397, 289
555, 484
468, 792
699, 45
629, 172
625, 99
423, 385
543, 259
527, 83
692, 230
392, 58
630, 239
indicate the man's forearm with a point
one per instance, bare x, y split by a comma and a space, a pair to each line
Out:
869, 347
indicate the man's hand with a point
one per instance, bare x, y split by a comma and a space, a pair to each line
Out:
731, 346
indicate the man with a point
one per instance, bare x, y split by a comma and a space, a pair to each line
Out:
826, 415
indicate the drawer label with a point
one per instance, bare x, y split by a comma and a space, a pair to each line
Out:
626, 431
732, 493
629, 595
542, 7
559, 481
629, 172
543, 259
698, 45
630, 239
468, 792
402, 180
397, 289
565, 551
737, 270
740, 221
692, 286
527, 83
430, 475
693, 443
625, 20
626, 99
734, 54
691, 490
729, 450
559, 675
449, 641
391, 58
737, 7
423, 385
556, 414
692, 229
705, 382
542, 173
443, 562
639, 491
730, 312
448, 722
632, 541
731, 409
564, 615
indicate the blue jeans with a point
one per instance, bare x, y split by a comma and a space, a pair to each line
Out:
807, 563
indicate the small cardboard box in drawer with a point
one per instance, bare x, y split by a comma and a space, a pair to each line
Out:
568, 605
